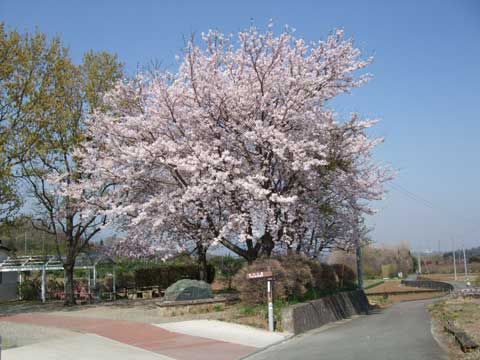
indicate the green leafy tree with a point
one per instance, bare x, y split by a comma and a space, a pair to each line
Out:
23, 80
47, 100
23, 238
227, 267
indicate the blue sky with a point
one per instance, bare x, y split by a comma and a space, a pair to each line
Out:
425, 91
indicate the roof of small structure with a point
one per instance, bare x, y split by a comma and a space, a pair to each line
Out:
51, 262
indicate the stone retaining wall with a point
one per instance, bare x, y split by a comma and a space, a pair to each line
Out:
471, 292
429, 284
302, 317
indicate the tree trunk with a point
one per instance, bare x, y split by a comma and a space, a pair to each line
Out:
202, 262
358, 254
69, 286
252, 254
267, 245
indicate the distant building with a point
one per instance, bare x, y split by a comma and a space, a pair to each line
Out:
8, 280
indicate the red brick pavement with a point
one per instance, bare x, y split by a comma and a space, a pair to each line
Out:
145, 336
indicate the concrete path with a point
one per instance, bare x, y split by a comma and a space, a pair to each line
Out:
402, 332
80, 347
140, 335
16, 335
224, 331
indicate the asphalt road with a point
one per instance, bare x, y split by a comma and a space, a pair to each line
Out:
402, 332
458, 285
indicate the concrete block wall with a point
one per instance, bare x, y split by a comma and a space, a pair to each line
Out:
302, 317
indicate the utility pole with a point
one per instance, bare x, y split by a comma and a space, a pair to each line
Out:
358, 252
454, 263
419, 263
465, 262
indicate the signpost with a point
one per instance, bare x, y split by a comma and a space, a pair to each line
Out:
269, 276
260, 275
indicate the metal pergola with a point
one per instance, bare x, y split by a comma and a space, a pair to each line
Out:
51, 263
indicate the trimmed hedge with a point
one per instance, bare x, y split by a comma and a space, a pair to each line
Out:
325, 279
297, 278
166, 275
254, 291
346, 276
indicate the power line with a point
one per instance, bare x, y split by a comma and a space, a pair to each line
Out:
411, 195
419, 199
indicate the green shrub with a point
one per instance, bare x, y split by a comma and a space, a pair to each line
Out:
54, 285
296, 278
249, 310
125, 279
30, 290
299, 277
389, 271
325, 280
165, 275
293, 280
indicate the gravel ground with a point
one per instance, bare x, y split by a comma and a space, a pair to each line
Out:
140, 313
15, 335
134, 310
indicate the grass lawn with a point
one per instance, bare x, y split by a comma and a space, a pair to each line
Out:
383, 301
367, 284
393, 286
396, 288
450, 277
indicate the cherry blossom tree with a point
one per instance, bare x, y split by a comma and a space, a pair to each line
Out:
237, 148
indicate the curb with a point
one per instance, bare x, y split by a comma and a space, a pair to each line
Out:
267, 347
